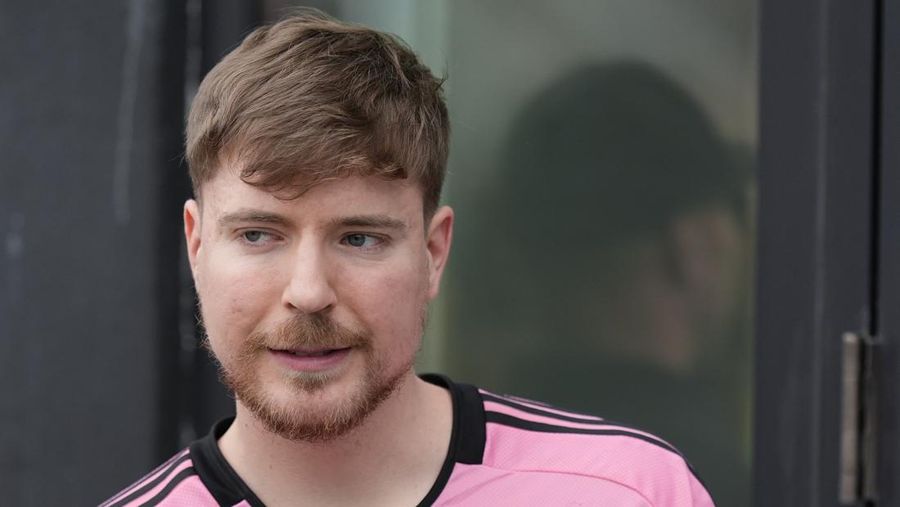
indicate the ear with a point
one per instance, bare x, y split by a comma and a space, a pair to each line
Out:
440, 235
192, 233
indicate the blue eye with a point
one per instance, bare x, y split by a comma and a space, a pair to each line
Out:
253, 236
357, 240
259, 240
363, 241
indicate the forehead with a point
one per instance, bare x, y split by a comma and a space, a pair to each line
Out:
350, 195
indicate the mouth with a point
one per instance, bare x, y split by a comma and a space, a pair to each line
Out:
311, 360
310, 352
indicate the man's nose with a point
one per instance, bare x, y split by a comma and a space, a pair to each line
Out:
309, 289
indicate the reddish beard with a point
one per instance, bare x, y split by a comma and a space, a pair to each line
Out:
299, 421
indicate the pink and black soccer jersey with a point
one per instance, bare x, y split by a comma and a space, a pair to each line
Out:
503, 451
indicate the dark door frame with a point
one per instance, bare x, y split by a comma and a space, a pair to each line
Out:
821, 251
888, 357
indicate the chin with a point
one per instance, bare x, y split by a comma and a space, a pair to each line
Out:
321, 406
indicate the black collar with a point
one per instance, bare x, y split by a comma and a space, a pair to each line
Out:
467, 440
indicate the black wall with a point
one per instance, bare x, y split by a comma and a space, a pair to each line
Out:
91, 107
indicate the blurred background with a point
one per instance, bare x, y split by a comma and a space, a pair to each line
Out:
609, 175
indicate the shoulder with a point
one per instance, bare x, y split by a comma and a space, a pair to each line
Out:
174, 482
524, 435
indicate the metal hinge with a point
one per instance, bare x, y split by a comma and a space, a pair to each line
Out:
858, 436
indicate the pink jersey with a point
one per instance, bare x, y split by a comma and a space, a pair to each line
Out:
503, 451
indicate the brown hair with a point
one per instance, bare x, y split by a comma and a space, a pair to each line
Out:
310, 99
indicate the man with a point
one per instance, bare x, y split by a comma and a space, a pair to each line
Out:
317, 151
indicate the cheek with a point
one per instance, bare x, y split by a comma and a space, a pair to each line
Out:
390, 301
234, 299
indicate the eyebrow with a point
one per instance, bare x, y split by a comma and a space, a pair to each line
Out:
251, 216
374, 221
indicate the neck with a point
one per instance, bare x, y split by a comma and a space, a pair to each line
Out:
391, 458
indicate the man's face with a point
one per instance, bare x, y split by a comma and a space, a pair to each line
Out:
315, 306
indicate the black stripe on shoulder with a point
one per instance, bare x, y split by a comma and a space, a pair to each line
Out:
178, 479
538, 411
515, 422
545, 409
136, 483
151, 484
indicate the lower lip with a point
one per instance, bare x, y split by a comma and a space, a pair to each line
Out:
311, 364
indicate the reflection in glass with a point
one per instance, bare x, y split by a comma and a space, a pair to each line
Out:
613, 278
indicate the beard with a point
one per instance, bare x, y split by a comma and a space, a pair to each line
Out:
294, 419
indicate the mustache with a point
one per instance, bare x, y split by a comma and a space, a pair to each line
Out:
309, 331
